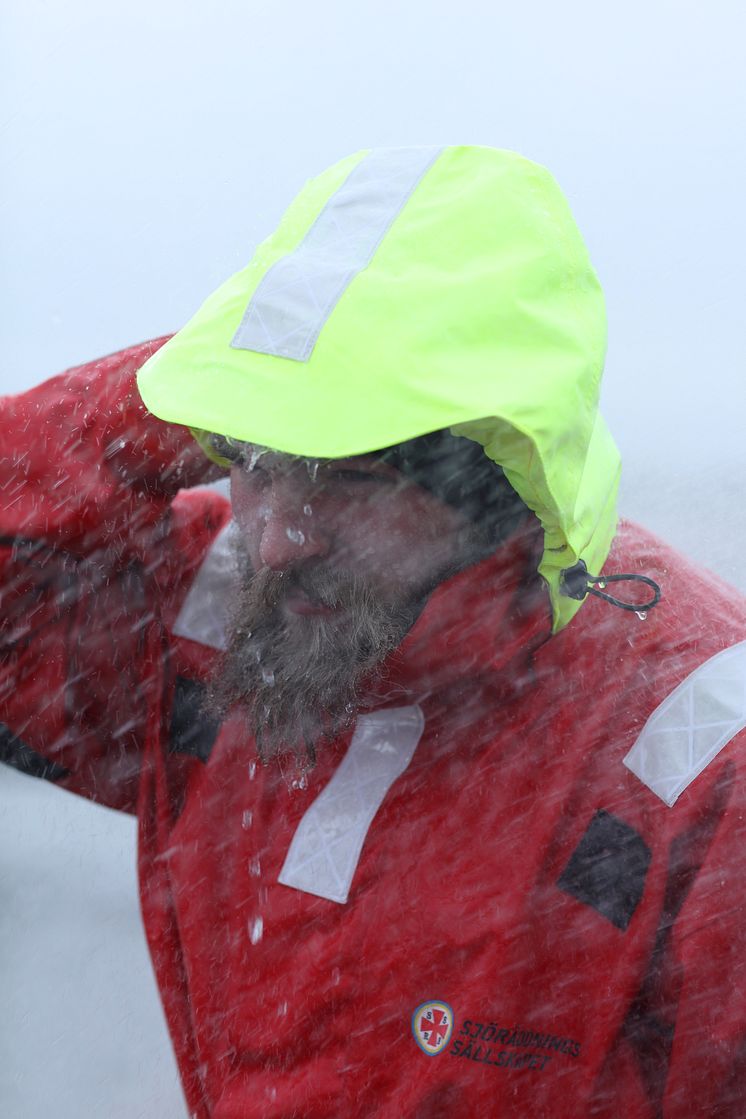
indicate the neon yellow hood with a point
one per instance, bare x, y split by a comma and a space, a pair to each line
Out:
407, 290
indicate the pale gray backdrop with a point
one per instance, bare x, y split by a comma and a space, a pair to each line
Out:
148, 146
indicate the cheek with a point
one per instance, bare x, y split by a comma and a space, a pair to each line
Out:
248, 504
243, 508
403, 536
420, 517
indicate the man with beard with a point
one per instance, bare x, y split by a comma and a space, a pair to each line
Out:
338, 559
492, 863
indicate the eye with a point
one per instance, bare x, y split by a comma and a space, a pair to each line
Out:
231, 449
361, 476
364, 471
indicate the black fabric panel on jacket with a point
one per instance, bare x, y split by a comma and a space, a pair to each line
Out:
607, 869
17, 754
651, 1020
192, 731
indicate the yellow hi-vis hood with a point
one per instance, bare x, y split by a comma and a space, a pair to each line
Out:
407, 290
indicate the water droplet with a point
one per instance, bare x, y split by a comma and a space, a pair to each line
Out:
255, 867
247, 819
295, 535
641, 614
256, 929
282, 1010
268, 677
307, 510
312, 466
601, 584
256, 454
252, 770
336, 976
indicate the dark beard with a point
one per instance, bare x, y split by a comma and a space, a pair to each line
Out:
298, 679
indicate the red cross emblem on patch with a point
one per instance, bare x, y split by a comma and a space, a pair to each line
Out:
432, 1024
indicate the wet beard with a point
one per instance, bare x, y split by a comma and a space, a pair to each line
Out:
298, 678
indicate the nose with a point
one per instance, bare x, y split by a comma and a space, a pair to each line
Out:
291, 532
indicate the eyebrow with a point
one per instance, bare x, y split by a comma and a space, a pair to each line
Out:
256, 451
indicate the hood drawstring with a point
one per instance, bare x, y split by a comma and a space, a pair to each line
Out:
576, 582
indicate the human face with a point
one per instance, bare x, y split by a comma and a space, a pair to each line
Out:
338, 557
356, 517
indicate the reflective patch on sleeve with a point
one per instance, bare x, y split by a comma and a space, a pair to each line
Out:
692, 725
294, 299
325, 849
204, 613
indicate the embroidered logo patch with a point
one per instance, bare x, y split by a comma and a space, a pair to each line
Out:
432, 1025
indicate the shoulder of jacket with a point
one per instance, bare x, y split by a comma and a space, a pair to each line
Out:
691, 653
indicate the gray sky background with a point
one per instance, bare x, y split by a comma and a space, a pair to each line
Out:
147, 147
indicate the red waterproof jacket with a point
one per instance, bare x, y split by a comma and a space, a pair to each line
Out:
472, 906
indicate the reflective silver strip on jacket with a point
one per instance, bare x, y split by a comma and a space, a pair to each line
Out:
325, 850
692, 725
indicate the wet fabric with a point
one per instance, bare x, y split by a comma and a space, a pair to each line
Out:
586, 939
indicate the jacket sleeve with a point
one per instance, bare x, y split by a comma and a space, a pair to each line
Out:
86, 555
84, 465
707, 950
682, 1048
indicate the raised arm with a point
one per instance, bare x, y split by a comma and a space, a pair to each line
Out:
86, 556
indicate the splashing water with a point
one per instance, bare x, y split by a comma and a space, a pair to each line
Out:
254, 457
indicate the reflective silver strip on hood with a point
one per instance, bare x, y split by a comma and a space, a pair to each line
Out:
326, 847
296, 296
692, 725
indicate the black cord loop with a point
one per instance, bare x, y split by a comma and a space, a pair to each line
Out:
576, 582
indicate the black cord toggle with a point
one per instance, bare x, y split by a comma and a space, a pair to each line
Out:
576, 582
